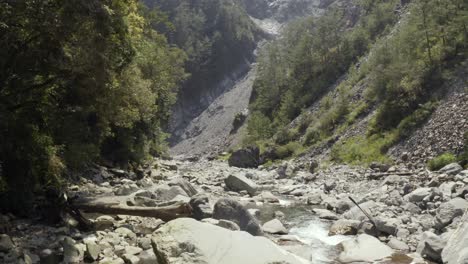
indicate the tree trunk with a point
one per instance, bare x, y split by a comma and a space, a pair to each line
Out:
165, 213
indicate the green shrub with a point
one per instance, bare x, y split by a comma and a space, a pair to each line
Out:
312, 136
417, 118
463, 158
439, 162
288, 150
363, 150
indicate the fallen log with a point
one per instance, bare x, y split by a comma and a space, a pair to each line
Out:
165, 213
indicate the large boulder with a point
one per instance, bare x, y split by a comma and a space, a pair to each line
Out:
430, 246
356, 214
245, 158
449, 210
456, 250
418, 195
451, 169
240, 183
274, 227
364, 248
189, 241
201, 206
232, 210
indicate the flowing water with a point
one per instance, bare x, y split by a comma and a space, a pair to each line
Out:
315, 244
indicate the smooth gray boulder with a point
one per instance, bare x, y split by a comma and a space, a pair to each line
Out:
274, 227
418, 195
451, 169
456, 250
240, 183
6, 244
325, 214
186, 240
232, 210
449, 210
356, 214
398, 245
364, 248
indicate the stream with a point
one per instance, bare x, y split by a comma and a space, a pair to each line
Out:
315, 244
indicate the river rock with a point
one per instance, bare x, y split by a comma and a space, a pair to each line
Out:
230, 225
418, 195
240, 183
364, 248
126, 189
185, 185
314, 199
344, 227
275, 227
268, 197
6, 245
147, 257
232, 210
356, 214
456, 250
430, 246
92, 251
449, 210
186, 240
286, 170
451, 169
398, 245
245, 158
201, 206
325, 214
71, 253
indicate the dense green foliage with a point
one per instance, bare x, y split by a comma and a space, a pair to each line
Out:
404, 68
439, 162
79, 80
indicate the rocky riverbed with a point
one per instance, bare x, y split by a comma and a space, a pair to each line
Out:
286, 213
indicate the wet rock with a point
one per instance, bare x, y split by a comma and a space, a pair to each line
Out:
274, 227
344, 227
456, 250
245, 158
325, 214
6, 245
430, 246
232, 210
201, 206
451, 169
449, 210
364, 248
189, 241
240, 183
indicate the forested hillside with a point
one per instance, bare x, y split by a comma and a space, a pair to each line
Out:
371, 63
219, 39
80, 81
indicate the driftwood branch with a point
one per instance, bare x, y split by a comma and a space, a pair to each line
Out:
165, 213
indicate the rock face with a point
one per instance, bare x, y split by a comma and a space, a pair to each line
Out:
364, 248
245, 158
240, 183
232, 210
188, 241
456, 250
